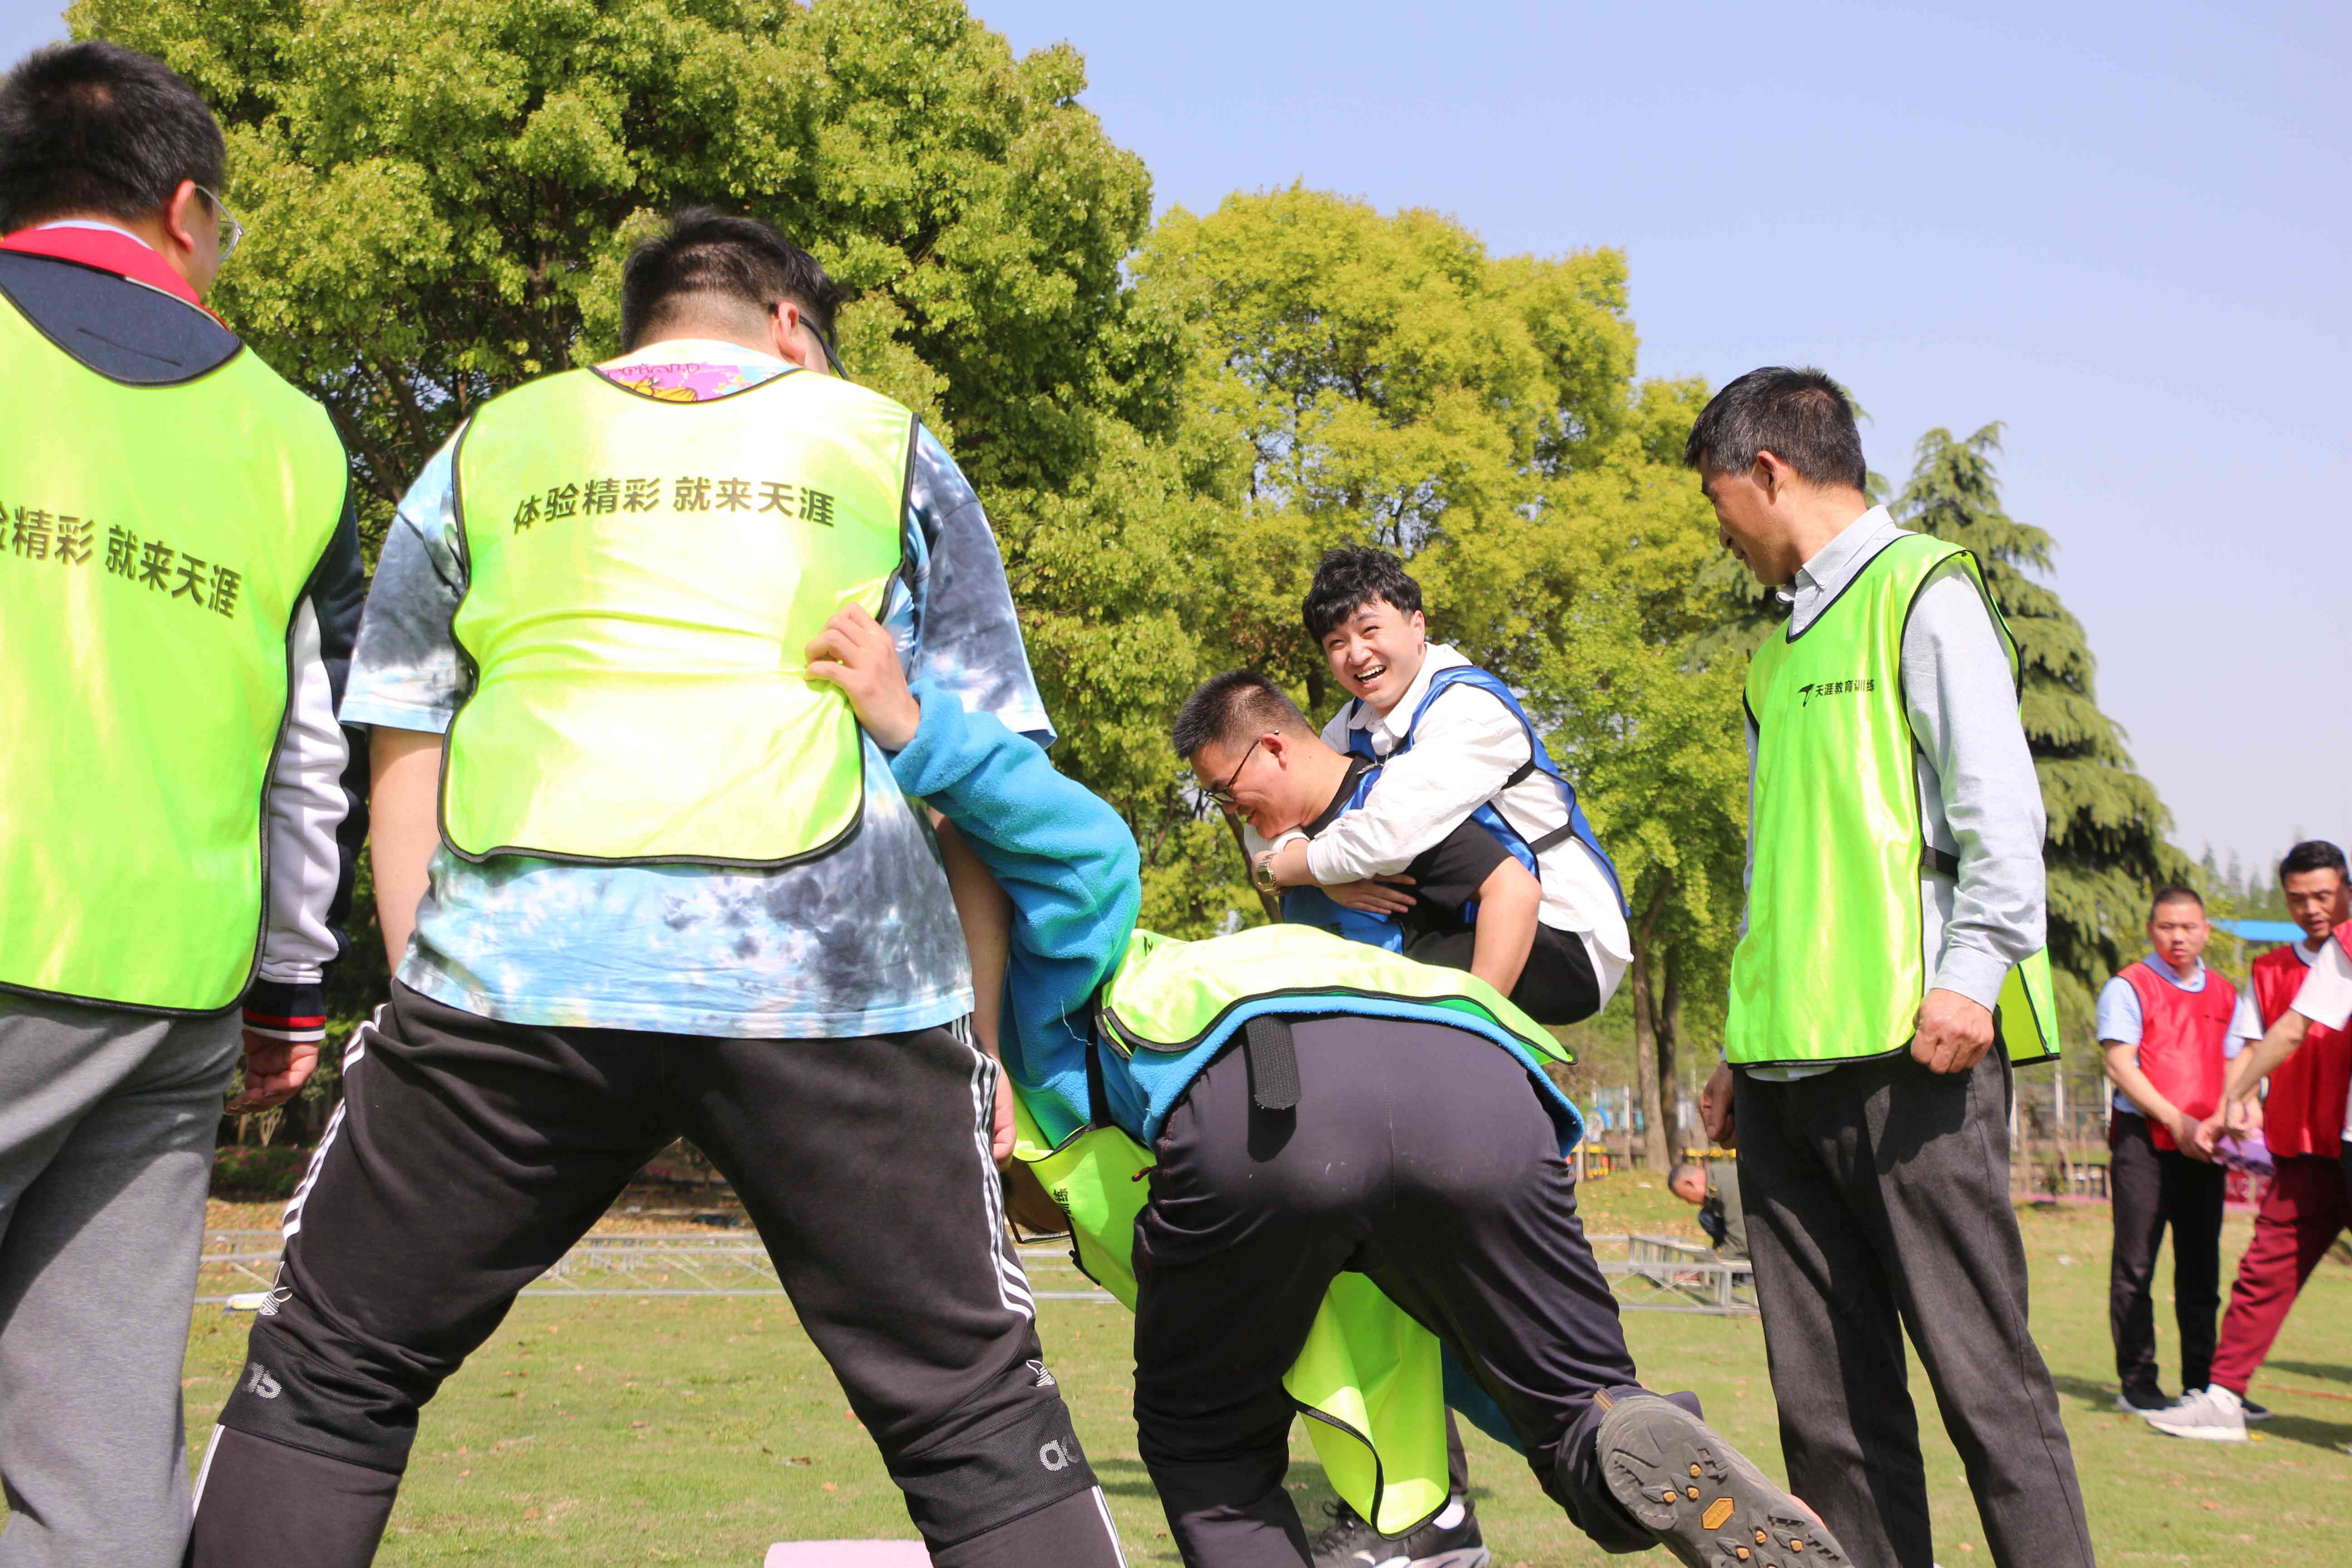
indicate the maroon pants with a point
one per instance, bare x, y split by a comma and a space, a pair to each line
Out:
2306, 1209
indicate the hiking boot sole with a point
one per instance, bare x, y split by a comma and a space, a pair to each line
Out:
1464, 1557
1706, 1504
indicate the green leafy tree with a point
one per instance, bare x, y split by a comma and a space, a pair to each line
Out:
1354, 376
2107, 847
441, 197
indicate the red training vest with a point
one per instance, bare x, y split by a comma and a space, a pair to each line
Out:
2182, 1037
2305, 1112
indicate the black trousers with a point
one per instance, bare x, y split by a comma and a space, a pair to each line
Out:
2151, 1188
1418, 1155
469, 1154
1556, 986
1878, 1201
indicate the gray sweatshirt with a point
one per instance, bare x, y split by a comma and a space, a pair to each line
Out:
1979, 796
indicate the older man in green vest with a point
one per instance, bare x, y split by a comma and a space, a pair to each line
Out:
1891, 973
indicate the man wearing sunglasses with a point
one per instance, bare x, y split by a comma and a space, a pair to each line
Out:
641, 879
179, 590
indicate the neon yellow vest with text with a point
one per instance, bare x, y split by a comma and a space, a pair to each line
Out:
1831, 967
641, 579
1370, 1380
156, 542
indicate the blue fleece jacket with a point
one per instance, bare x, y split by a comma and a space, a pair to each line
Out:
1069, 864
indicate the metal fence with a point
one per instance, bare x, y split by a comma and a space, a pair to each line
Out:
1650, 1273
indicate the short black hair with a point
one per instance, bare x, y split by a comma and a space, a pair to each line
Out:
2174, 893
1350, 577
2311, 855
1680, 1166
1224, 707
92, 127
706, 251
1800, 416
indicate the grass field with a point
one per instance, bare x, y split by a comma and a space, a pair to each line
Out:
641, 1430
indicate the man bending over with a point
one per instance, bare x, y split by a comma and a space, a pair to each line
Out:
1306, 1110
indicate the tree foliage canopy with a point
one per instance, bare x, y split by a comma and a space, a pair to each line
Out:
1169, 424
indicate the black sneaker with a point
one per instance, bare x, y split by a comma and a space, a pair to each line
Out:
1701, 1497
1348, 1541
2252, 1411
2144, 1401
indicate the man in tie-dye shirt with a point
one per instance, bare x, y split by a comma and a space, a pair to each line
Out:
554, 1024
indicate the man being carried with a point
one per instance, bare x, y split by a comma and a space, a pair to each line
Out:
1317, 1119
659, 886
2164, 1024
2305, 1206
1446, 743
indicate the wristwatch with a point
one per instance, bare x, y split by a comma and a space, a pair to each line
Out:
1262, 873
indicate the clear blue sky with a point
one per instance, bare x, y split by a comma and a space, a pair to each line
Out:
2124, 230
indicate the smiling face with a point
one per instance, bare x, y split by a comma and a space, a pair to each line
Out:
2178, 930
1376, 653
2318, 900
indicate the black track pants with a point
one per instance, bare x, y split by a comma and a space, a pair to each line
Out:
469, 1155
2151, 1188
1418, 1155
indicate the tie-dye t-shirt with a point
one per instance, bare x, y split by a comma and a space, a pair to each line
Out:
862, 941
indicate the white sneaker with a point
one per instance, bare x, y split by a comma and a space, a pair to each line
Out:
2211, 1415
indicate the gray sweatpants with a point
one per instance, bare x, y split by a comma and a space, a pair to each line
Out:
105, 1135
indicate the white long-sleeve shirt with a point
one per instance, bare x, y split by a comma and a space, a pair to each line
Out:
1467, 748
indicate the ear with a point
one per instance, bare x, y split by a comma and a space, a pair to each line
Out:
1419, 622
1276, 744
185, 210
1770, 472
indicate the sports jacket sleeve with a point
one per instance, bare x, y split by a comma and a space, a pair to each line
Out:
315, 804
1065, 858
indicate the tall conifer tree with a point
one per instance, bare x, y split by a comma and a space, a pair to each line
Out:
2107, 846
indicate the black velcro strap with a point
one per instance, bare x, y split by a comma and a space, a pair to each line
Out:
1520, 773
1942, 860
1554, 839
1273, 1062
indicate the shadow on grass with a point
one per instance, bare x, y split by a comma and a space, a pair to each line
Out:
2100, 1397
2313, 1369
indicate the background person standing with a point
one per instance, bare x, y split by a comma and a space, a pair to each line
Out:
1895, 845
179, 586
2164, 1025
2306, 1204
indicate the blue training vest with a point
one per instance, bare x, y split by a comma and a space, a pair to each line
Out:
1312, 905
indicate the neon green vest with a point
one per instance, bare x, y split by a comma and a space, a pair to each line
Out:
1370, 1380
1831, 967
156, 542
641, 579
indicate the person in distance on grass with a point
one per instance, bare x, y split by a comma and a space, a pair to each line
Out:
2305, 1119
2164, 1025
1714, 1187
179, 587
641, 880
1314, 1117
1895, 894
1445, 744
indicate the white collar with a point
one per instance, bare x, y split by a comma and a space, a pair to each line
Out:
99, 224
